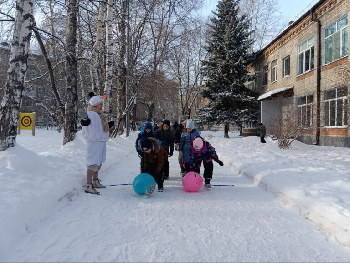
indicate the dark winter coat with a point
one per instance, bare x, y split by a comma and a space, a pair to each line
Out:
142, 134
166, 139
262, 130
178, 133
157, 157
185, 143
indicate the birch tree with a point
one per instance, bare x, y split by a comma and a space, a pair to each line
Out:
98, 46
71, 110
10, 104
265, 20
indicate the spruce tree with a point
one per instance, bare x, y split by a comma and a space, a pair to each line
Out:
224, 69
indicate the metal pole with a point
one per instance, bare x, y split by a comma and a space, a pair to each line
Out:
127, 93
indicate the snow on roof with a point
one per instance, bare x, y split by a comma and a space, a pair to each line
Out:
272, 92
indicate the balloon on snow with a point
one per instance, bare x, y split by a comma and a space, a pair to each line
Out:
144, 184
192, 182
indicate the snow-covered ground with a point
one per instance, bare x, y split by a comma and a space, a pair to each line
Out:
287, 205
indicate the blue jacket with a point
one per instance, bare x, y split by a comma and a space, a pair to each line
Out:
185, 144
142, 134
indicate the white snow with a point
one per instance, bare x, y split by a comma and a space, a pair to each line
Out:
272, 92
286, 206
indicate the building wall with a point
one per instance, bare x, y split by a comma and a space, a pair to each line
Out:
334, 74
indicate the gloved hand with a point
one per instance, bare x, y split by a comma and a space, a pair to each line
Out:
220, 163
85, 122
110, 124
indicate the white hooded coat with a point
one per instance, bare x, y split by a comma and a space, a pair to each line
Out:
96, 140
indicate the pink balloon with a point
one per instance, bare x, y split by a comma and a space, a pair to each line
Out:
192, 182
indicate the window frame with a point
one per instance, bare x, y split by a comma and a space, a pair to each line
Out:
305, 111
274, 71
342, 32
287, 58
304, 49
338, 101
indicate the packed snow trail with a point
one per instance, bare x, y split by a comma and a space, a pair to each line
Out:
223, 224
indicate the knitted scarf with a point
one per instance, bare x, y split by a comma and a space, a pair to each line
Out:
103, 118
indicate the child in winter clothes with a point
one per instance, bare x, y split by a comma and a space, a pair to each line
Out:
202, 150
165, 136
95, 130
154, 158
185, 143
146, 131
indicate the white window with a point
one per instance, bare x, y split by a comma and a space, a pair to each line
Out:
286, 66
274, 71
305, 111
336, 40
335, 102
306, 56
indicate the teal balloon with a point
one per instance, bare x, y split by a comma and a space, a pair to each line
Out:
144, 184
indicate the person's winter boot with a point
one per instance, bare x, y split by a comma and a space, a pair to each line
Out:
160, 187
91, 190
207, 183
97, 184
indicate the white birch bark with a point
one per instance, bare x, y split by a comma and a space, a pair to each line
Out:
109, 57
10, 104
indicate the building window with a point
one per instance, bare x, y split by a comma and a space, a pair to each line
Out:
335, 102
266, 74
28, 103
305, 111
274, 71
306, 56
336, 40
286, 66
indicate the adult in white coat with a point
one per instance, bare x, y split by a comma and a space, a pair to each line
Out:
96, 132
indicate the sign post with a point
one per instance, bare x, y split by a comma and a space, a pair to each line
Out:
27, 122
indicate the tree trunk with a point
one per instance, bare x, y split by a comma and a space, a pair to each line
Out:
10, 104
51, 75
120, 97
71, 109
96, 53
227, 128
109, 59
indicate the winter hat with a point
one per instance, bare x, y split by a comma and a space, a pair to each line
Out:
183, 118
95, 100
198, 143
166, 122
146, 144
190, 124
148, 125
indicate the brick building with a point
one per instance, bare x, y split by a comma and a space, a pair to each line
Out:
304, 74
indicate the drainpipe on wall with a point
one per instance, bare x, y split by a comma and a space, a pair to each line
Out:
318, 78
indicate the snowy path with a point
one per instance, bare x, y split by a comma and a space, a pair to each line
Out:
224, 224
